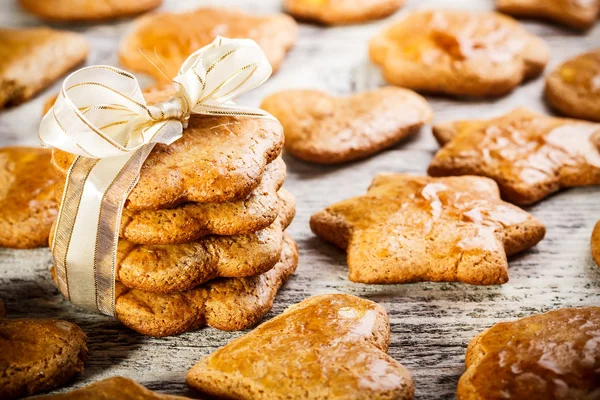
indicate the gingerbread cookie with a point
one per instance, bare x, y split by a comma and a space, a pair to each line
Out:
191, 221
458, 53
85, 10
340, 12
168, 39
168, 268
227, 304
325, 129
112, 388
218, 159
415, 228
31, 59
38, 355
326, 347
578, 14
27, 203
574, 87
547, 356
529, 155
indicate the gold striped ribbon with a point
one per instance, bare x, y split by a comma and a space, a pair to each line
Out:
101, 116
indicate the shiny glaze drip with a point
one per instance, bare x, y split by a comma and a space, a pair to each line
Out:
549, 356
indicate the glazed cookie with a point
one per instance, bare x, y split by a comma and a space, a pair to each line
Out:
218, 159
413, 228
342, 12
578, 14
459, 53
31, 59
168, 39
573, 88
191, 221
38, 355
547, 356
326, 347
85, 10
227, 304
529, 155
112, 388
325, 129
27, 204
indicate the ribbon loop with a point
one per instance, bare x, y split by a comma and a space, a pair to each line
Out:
101, 116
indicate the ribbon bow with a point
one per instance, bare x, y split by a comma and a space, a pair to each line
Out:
101, 116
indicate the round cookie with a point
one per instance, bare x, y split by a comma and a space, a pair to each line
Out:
168, 39
461, 53
86, 10
38, 355
27, 203
573, 88
325, 129
340, 12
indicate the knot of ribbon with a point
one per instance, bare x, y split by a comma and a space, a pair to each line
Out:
101, 116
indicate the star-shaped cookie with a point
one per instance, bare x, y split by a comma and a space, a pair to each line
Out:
529, 155
555, 356
167, 39
463, 53
578, 14
416, 228
326, 347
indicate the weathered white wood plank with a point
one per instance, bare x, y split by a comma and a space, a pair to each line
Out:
432, 323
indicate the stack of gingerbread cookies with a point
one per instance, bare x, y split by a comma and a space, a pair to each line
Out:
202, 237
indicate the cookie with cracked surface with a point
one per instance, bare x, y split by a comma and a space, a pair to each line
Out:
168, 39
459, 53
326, 347
342, 12
546, 356
31, 59
577, 14
529, 155
416, 228
218, 159
228, 304
86, 10
573, 88
112, 388
27, 203
326, 129
38, 355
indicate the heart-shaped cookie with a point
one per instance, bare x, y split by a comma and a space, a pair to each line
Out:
326, 129
326, 347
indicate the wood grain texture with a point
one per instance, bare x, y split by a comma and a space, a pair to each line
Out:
432, 323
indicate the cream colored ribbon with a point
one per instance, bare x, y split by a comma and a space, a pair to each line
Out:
101, 116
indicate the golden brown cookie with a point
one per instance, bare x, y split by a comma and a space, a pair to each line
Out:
459, 53
326, 129
27, 203
169, 268
116, 388
573, 88
218, 159
529, 155
228, 304
595, 243
31, 59
549, 356
326, 347
86, 10
415, 228
38, 355
340, 12
168, 39
578, 14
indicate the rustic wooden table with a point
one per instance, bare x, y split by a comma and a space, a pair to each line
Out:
431, 323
